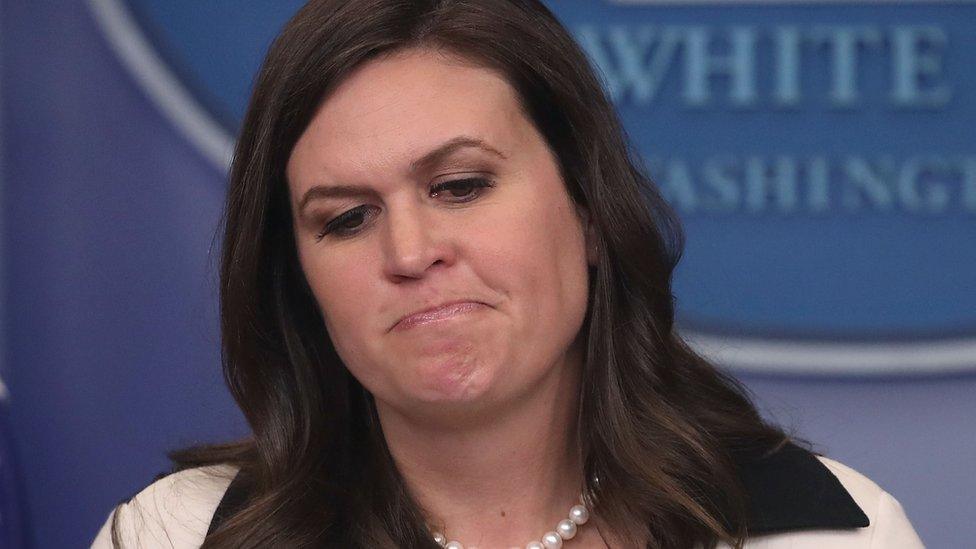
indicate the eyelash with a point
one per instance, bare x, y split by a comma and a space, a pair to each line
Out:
334, 227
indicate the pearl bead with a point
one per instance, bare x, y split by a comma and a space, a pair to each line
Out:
579, 514
552, 540
566, 529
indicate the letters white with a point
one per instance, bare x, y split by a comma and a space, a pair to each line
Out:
637, 60
754, 185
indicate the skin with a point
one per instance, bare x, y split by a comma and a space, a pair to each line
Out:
478, 409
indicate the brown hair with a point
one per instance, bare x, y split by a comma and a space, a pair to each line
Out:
658, 424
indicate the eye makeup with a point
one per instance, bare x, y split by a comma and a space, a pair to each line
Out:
455, 191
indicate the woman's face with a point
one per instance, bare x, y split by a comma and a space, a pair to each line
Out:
421, 183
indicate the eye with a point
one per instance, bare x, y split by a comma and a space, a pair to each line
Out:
346, 224
461, 190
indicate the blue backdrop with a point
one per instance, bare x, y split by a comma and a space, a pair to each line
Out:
821, 157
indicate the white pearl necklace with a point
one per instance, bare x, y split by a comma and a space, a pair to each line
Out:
565, 530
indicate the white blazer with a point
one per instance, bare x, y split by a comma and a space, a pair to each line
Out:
175, 512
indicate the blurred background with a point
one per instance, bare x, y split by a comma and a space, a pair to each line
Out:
821, 154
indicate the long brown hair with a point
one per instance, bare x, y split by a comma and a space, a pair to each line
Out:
658, 424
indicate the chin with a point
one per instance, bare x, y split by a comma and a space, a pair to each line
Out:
444, 369
457, 379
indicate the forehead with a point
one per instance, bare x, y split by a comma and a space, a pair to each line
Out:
394, 109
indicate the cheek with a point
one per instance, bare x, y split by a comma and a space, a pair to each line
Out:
340, 288
538, 251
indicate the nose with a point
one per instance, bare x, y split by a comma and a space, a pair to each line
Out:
415, 242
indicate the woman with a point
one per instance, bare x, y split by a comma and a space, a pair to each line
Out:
447, 316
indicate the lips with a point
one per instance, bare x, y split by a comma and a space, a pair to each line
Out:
437, 313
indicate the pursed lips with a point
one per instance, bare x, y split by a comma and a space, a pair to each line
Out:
436, 313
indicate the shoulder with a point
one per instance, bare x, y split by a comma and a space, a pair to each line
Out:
888, 527
174, 511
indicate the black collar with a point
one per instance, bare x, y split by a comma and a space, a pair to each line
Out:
792, 490
788, 490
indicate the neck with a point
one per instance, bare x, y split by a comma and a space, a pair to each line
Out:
498, 482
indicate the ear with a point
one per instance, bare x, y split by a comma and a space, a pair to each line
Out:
592, 247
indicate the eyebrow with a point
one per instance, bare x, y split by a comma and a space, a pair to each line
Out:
425, 162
